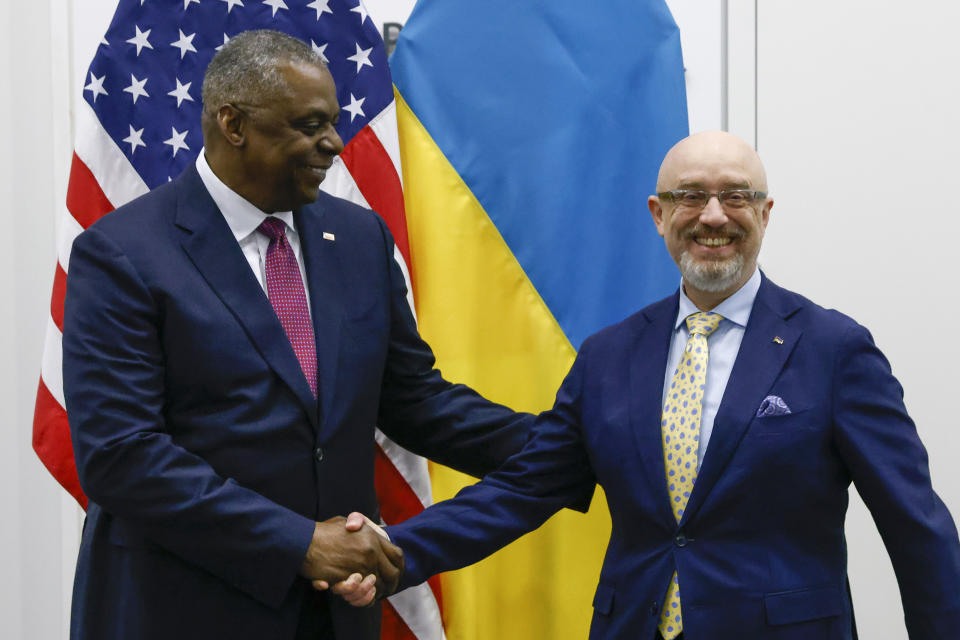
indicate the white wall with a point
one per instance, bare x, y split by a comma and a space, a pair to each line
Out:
851, 104
32, 598
857, 122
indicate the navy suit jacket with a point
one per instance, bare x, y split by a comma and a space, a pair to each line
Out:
760, 550
204, 454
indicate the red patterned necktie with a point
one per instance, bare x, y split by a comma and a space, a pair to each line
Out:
286, 293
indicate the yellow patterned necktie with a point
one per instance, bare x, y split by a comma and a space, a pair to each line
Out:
680, 432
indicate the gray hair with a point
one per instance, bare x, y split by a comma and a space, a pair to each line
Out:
247, 67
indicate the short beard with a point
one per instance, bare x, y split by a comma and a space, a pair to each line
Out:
712, 277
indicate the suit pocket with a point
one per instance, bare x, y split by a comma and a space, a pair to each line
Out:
603, 600
791, 607
800, 422
782, 416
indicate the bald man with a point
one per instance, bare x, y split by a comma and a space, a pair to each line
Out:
725, 424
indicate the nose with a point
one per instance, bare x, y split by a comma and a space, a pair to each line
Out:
713, 214
331, 142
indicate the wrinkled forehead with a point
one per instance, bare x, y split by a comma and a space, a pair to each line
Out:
711, 161
300, 77
301, 86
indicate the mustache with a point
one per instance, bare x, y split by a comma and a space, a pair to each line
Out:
703, 230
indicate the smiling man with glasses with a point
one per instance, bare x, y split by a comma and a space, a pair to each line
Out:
713, 236
725, 424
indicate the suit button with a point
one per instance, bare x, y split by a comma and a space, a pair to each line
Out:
318, 454
680, 540
654, 608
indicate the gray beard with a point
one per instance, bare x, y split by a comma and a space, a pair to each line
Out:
713, 277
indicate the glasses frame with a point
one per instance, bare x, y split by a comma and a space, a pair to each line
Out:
676, 195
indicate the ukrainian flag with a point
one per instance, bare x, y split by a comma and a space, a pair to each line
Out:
531, 132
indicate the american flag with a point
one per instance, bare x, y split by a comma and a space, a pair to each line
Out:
138, 126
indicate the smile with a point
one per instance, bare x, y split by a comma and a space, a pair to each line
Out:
713, 242
318, 171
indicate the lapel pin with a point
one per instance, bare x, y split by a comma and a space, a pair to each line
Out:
329, 236
778, 339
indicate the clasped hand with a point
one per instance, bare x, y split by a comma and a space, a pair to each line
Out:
360, 562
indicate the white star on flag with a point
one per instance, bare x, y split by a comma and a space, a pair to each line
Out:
185, 43
321, 7
276, 4
355, 108
96, 86
232, 3
361, 57
320, 50
176, 140
186, 3
135, 139
362, 10
226, 39
182, 92
136, 88
140, 39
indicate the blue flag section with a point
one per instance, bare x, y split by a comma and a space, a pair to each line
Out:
556, 114
531, 134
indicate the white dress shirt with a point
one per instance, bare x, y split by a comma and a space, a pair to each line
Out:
723, 346
243, 219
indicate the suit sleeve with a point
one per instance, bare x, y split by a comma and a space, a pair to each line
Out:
448, 423
128, 463
551, 472
888, 464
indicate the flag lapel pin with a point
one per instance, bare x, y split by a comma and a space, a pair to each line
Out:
778, 339
329, 236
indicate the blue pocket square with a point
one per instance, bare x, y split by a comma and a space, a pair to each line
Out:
773, 406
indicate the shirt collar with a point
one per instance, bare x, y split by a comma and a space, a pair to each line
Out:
241, 215
736, 308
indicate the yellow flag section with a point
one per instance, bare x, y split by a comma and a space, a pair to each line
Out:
491, 330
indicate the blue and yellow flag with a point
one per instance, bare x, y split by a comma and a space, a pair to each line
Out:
530, 135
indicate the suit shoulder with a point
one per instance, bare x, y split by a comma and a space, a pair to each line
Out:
141, 213
138, 227
615, 335
351, 225
815, 318
346, 213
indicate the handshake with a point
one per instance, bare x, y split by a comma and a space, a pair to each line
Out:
354, 558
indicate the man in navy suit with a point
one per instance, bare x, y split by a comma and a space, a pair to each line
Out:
797, 402
214, 451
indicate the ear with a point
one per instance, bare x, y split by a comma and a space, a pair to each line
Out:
765, 214
232, 124
656, 211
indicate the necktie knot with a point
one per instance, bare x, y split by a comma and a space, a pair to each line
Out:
703, 323
273, 228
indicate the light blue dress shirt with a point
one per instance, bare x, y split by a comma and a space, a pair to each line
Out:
723, 345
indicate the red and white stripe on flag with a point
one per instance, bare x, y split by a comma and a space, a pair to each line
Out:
104, 175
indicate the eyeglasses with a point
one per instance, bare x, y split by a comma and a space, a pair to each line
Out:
697, 198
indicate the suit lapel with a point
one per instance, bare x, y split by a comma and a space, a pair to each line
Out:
758, 363
648, 362
324, 281
214, 251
